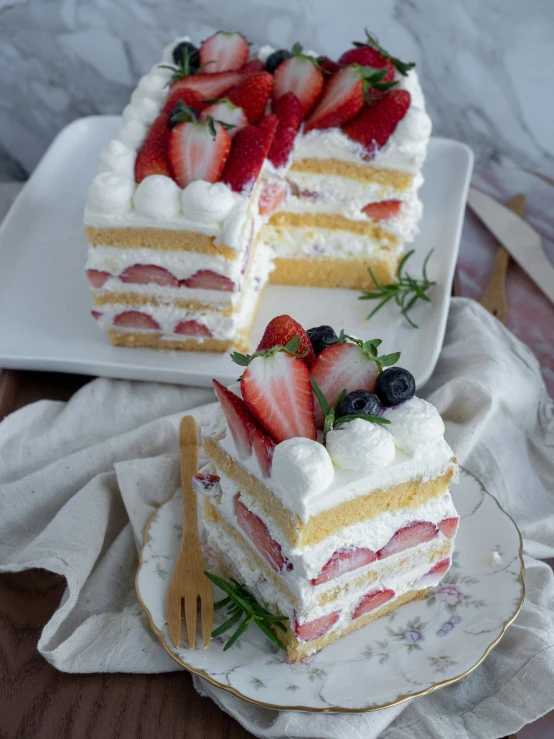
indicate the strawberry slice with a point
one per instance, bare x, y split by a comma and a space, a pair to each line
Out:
152, 155
343, 561
208, 86
252, 95
261, 538
339, 367
248, 152
448, 527
280, 330
253, 66
226, 112
407, 537
374, 126
289, 114
246, 433
300, 75
136, 319
383, 209
205, 279
342, 99
180, 92
371, 601
204, 483
192, 328
368, 57
148, 274
95, 314
224, 51
276, 389
96, 277
440, 568
327, 65
311, 630
271, 197
195, 153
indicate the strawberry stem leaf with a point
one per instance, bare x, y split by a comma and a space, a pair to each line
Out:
371, 41
364, 416
292, 347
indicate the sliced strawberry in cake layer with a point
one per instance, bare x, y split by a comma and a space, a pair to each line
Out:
206, 279
449, 526
440, 568
382, 210
252, 94
204, 483
311, 630
97, 278
148, 274
259, 535
95, 314
223, 51
409, 536
273, 194
343, 561
280, 330
192, 328
136, 319
372, 601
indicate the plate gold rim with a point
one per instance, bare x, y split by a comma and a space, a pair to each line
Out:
337, 709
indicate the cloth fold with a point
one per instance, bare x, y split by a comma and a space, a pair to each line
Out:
79, 480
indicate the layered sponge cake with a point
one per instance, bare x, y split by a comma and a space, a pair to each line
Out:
233, 167
330, 519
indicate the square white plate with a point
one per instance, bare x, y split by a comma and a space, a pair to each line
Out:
45, 321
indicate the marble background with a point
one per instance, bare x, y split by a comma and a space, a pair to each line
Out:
486, 66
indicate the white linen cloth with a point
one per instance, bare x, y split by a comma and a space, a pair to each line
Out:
78, 481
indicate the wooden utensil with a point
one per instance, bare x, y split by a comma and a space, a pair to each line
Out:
494, 295
189, 584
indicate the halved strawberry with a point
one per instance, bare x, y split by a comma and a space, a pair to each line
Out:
204, 483
343, 561
198, 151
440, 568
226, 112
374, 126
448, 527
152, 155
252, 95
253, 66
207, 85
342, 99
276, 389
407, 537
245, 431
181, 92
327, 65
339, 367
300, 75
261, 538
289, 115
311, 630
223, 51
371, 601
192, 328
271, 197
148, 274
368, 57
136, 319
280, 330
205, 279
96, 277
383, 209
248, 152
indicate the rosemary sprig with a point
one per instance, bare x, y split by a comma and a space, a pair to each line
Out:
405, 292
240, 602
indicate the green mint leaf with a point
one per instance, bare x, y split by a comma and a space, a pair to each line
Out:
364, 416
389, 359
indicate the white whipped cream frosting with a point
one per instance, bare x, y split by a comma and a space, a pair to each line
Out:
415, 425
158, 197
208, 203
360, 445
111, 192
118, 158
300, 467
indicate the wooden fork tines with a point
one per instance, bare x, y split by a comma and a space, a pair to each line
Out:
189, 584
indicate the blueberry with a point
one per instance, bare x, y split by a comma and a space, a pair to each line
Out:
321, 337
394, 385
359, 401
180, 53
275, 59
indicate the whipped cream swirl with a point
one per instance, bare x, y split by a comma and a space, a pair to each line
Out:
158, 196
300, 468
414, 425
203, 202
360, 445
110, 192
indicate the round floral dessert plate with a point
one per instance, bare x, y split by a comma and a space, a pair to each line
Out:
422, 646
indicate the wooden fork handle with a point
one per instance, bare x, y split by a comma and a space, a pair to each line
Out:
188, 444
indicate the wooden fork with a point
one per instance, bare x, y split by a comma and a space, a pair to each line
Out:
189, 584
494, 295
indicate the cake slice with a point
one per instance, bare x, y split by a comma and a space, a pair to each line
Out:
336, 519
